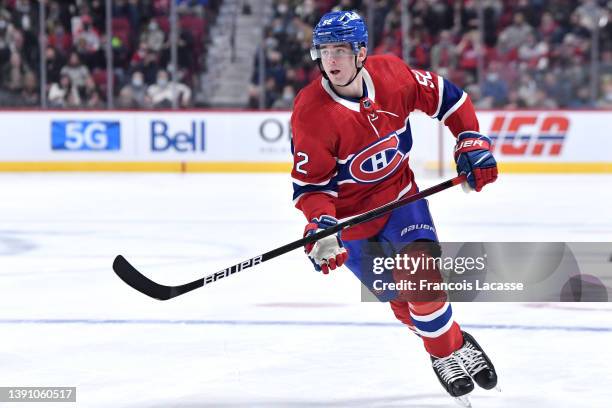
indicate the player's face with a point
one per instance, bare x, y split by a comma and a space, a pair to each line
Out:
339, 62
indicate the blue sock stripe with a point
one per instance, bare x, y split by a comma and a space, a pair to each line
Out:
435, 324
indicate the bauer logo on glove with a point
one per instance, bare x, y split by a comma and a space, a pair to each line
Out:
474, 159
326, 253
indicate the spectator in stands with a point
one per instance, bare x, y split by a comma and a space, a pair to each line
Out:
468, 50
125, 99
153, 37
77, 72
4, 39
14, 73
515, 101
87, 43
98, 13
94, 101
137, 91
86, 37
271, 91
90, 94
549, 28
389, 45
59, 39
444, 53
516, 33
63, 94
161, 7
541, 100
533, 53
286, 99
161, 92
185, 50
541, 45
147, 62
30, 94
527, 88
495, 87
606, 92
139, 56
131, 10
26, 24
55, 62
581, 100
57, 15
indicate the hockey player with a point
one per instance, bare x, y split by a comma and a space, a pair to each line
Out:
351, 140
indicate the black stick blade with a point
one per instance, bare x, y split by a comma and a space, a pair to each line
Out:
138, 281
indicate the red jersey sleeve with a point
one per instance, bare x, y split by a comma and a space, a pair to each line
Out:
442, 100
314, 173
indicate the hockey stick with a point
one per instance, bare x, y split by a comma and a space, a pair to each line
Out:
141, 283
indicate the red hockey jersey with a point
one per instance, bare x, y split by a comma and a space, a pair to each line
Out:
351, 156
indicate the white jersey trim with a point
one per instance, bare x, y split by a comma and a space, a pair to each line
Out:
454, 108
354, 106
328, 192
388, 113
440, 95
405, 189
346, 181
303, 183
344, 161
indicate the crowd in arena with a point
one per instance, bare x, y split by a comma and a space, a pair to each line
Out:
75, 52
535, 53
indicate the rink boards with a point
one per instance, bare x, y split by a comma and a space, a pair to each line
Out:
240, 141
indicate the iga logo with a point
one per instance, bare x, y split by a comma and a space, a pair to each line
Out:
529, 135
377, 161
79, 135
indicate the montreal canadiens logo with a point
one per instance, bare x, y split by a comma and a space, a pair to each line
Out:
377, 161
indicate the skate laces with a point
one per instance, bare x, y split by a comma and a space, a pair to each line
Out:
471, 358
449, 368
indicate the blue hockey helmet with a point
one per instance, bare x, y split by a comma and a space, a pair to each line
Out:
339, 27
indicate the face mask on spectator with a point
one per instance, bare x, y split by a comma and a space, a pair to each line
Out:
492, 76
282, 8
288, 95
162, 81
137, 81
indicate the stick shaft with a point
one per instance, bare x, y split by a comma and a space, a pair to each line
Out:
141, 283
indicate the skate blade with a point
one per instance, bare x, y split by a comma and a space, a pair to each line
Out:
496, 388
464, 401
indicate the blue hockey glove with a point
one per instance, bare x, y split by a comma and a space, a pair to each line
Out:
474, 159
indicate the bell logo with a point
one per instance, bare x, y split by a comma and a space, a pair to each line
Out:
537, 134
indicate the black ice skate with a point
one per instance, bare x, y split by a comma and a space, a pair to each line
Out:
453, 378
476, 363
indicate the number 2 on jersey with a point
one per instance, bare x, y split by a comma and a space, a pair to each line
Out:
298, 165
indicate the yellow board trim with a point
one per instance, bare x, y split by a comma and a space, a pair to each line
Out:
575, 167
269, 167
163, 167
238, 167
540, 167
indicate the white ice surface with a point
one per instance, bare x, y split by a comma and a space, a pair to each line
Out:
277, 335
